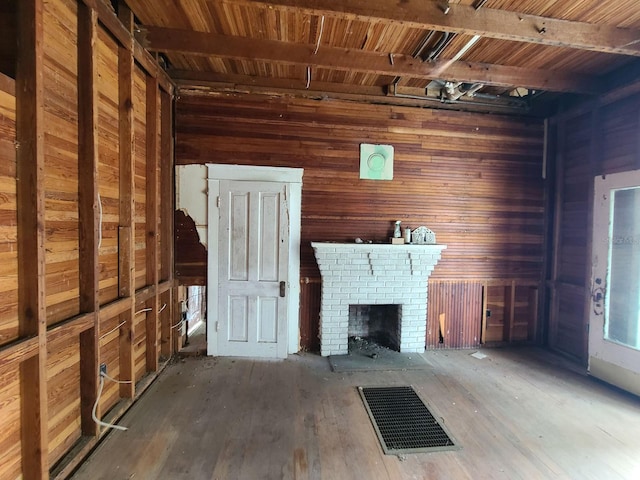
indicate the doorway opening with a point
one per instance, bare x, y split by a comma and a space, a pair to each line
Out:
193, 327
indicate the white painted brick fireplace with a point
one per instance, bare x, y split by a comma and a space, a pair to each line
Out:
374, 274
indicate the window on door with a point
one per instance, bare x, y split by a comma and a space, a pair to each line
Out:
622, 297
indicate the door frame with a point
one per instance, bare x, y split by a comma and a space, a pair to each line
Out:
290, 176
608, 360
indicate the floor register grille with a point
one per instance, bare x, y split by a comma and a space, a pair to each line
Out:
403, 422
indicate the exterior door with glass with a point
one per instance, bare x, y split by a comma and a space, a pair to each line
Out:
614, 328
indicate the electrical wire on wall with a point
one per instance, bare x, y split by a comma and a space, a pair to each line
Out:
95, 405
113, 330
99, 221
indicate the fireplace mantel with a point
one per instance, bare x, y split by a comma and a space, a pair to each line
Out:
374, 274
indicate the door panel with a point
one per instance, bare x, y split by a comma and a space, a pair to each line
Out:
253, 258
614, 336
238, 316
239, 231
267, 319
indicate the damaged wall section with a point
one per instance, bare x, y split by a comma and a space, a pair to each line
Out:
190, 220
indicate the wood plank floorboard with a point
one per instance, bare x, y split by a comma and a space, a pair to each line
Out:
517, 414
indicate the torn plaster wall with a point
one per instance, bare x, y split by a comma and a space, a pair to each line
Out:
191, 196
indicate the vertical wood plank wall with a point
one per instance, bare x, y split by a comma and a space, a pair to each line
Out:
596, 138
81, 179
473, 179
10, 419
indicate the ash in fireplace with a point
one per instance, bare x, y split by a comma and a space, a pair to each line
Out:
366, 347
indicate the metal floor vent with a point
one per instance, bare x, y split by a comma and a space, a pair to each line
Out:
403, 422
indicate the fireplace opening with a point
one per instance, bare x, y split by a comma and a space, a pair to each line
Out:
374, 324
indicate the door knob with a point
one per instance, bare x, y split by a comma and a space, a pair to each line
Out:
283, 288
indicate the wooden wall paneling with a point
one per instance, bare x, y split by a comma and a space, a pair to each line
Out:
454, 314
61, 159
126, 256
8, 214
473, 179
544, 309
109, 341
533, 314
63, 387
89, 220
108, 165
122, 31
31, 236
525, 310
166, 186
166, 220
616, 135
554, 300
605, 134
140, 176
166, 325
10, 423
496, 313
310, 300
485, 313
164, 318
18, 351
509, 312
153, 207
574, 184
140, 340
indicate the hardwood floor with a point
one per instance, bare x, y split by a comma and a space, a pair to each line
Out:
517, 414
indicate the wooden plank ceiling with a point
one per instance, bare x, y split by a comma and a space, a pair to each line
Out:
492, 53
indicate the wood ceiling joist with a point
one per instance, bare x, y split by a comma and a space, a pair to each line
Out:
190, 82
464, 19
200, 43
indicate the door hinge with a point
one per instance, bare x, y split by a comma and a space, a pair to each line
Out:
217, 325
218, 201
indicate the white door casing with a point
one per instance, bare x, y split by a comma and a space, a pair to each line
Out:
614, 339
232, 296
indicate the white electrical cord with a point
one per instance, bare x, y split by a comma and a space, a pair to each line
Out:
308, 77
163, 307
113, 330
143, 310
104, 375
95, 405
319, 35
100, 221
179, 324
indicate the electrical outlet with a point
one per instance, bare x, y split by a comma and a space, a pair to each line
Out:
488, 313
103, 369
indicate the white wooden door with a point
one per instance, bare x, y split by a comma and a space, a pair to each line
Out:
614, 328
252, 271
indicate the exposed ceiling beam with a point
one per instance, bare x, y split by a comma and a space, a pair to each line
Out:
197, 83
200, 43
467, 20
187, 78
